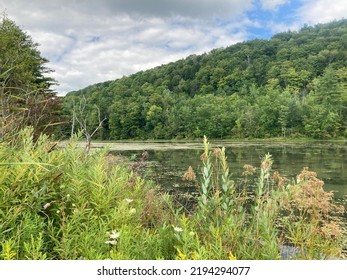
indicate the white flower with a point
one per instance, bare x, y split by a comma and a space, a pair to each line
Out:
111, 242
114, 234
128, 200
132, 211
178, 229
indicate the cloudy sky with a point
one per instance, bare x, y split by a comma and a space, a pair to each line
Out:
91, 41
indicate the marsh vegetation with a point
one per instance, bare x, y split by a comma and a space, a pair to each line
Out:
64, 203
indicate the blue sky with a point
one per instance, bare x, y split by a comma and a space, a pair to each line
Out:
91, 41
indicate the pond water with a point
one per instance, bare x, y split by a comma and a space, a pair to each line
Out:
167, 162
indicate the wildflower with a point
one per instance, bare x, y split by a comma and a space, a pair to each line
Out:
306, 175
189, 175
181, 255
178, 229
331, 230
128, 200
266, 163
114, 234
279, 180
132, 211
249, 170
46, 205
232, 257
111, 242
204, 156
217, 152
192, 233
58, 211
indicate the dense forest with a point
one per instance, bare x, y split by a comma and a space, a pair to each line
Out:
293, 85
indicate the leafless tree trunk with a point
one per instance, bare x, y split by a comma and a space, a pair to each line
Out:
73, 119
82, 121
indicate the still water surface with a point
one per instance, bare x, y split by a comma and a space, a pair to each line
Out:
167, 162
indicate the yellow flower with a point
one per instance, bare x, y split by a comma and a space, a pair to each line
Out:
181, 256
232, 257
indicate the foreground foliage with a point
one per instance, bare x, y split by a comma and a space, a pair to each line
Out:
279, 219
62, 203
65, 204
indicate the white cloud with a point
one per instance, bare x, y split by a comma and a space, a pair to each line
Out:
186, 8
322, 11
54, 45
272, 4
282, 27
91, 41
94, 41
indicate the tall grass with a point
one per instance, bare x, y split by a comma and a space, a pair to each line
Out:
62, 203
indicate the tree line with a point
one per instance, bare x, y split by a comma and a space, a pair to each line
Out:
293, 85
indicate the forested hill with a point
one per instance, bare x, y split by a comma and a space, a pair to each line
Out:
294, 84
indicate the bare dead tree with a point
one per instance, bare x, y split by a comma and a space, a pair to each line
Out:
81, 118
73, 118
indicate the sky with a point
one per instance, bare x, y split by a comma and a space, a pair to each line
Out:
88, 41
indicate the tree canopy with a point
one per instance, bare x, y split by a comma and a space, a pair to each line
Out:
291, 85
25, 94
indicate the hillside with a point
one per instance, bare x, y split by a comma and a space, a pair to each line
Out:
294, 84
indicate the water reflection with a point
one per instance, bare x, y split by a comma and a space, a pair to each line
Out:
168, 162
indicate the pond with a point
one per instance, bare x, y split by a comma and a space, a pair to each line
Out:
167, 162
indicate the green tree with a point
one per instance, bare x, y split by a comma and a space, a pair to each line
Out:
326, 89
342, 87
292, 84
25, 95
283, 119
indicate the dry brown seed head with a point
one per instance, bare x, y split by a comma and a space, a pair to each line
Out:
189, 175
